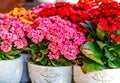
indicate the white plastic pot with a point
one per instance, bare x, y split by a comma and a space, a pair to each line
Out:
104, 76
11, 70
46, 74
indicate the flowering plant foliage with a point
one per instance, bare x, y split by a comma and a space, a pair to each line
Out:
12, 37
54, 41
102, 48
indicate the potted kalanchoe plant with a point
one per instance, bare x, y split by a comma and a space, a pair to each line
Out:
12, 40
57, 23
53, 46
101, 52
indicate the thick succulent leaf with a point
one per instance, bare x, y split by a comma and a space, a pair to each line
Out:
34, 49
90, 26
118, 32
101, 44
44, 61
89, 66
84, 25
27, 49
114, 62
13, 52
43, 45
109, 55
4, 57
91, 51
9, 57
44, 51
117, 49
111, 64
100, 33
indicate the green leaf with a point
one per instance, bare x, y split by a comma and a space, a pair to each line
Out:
44, 61
89, 66
43, 45
91, 51
9, 57
91, 27
100, 33
118, 32
26, 49
117, 50
13, 52
101, 44
114, 62
4, 57
64, 61
109, 55
37, 59
44, 51
34, 49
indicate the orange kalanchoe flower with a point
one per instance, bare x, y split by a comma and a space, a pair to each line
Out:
24, 15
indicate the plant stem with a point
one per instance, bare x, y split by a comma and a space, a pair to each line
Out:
53, 63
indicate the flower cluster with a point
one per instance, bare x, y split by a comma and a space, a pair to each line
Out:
63, 36
75, 13
65, 10
11, 34
24, 15
107, 16
40, 7
105, 10
93, 3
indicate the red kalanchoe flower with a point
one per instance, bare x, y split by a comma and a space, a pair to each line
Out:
48, 12
104, 25
112, 28
81, 29
118, 39
92, 3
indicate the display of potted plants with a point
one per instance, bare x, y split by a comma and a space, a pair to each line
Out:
12, 40
54, 36
53, 46
101, 52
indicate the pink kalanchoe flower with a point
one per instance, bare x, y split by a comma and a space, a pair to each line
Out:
69, 50
40, 7
20, 43
12, 33
54, 55
6, 46
63, 36
53, 47
112, 36
25, 43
